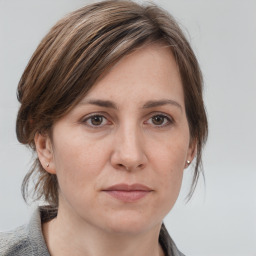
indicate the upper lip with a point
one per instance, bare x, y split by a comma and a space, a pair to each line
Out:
128, 187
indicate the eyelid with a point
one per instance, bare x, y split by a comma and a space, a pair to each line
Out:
105, 115
87, 117
167, 116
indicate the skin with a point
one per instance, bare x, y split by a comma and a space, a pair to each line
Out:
129, 141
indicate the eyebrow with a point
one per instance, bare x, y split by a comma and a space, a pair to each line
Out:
148, 104
158, 103
101, 103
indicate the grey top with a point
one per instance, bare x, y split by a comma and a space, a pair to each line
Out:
28, 240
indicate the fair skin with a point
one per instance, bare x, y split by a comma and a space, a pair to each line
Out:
131, 128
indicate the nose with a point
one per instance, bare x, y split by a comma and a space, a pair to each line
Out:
128, 150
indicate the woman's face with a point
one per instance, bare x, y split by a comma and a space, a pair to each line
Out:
119, 155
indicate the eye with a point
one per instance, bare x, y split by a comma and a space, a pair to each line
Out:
160, 120
95, 121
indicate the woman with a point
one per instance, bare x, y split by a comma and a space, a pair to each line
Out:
111, 101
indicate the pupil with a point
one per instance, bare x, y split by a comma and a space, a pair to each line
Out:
96, 120
158, 120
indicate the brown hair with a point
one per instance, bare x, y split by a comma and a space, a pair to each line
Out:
77, 51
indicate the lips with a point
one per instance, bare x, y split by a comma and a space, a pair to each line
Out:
127, 187
128, 193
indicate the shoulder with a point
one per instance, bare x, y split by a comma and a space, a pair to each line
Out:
168, 244
26, 240
15, 242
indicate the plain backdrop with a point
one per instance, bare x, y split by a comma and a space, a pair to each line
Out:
220, 220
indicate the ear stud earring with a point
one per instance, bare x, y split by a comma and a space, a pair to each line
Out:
47, 165
188, 162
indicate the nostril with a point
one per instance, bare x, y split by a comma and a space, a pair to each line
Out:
140, 166
122, 166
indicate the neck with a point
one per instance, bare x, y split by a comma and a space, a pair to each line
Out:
65, 235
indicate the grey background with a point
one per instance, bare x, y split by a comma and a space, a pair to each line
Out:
220, 220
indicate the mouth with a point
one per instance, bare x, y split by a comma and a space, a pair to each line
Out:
128, 193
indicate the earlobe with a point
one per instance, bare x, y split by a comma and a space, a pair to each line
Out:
191, 153
44, 151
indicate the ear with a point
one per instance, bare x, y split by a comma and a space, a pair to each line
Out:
191, 152
44, 151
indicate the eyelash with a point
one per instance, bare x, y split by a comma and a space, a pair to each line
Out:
168, 120
89, 118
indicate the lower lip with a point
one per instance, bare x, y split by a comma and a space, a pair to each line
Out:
128, 196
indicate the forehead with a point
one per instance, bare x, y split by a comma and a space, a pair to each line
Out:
147, 73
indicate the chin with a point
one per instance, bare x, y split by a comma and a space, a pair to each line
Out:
130, 223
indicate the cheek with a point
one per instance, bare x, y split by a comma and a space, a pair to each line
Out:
78, 162
170, 173
168, 162
170, 169
169, 155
